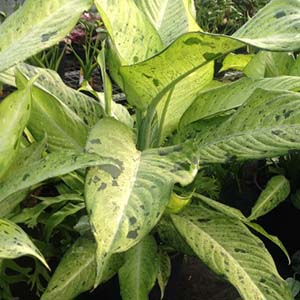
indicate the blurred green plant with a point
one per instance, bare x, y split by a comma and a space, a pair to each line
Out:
226, 16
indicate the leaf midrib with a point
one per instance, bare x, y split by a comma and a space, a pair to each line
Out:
232, 259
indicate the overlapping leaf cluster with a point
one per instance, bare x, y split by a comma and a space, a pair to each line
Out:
113, 173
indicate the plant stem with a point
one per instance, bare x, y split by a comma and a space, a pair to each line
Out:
163, 117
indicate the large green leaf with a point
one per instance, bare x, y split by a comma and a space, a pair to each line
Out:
77, 270
171, 18
64, 129
129, 30
232, 251
14, 242
155, 77
138, 274
55, 164
266, 125
276, 191
231, 96
126, 199
37, 25
85, 107
275, 27
14, 115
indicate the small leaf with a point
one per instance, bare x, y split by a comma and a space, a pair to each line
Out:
14, 242
294, 285
164, 271
30, 216
276, 191
58, 217
236, 61
138, 274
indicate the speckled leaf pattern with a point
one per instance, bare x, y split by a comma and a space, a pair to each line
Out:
77, 270
25, 156
50, 116
171, 18
54, 164
278, 24
266, 125
14, 115
133, 36
232, 212
125, 200
85, 107
14, 242
231, 250
164, 271
37, 25
156, 76
276, 191
222, 99
138, 274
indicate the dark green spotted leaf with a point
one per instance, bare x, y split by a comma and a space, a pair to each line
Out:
231, 250
138, 274
276, 191
55, 164
231, 96
77, 270
37, 25
232, 212
267, 125
170, 18
126, 199
14, 242
278, 24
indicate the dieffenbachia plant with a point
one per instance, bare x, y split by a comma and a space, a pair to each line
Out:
115, 173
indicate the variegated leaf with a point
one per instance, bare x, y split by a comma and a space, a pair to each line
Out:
77, 270
276, 191
14, 242
37, 25
138, 274
231, 250
126, 199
